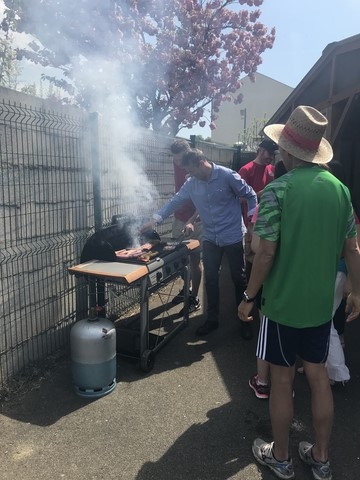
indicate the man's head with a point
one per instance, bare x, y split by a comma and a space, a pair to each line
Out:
196, 164
266, 152
301, 138
178, 149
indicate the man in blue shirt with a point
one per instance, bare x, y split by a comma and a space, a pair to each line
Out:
216, 192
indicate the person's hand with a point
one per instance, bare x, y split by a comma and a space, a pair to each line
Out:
244, 310
145, 227
352, 306
188, 229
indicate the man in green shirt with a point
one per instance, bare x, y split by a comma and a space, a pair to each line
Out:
305, 223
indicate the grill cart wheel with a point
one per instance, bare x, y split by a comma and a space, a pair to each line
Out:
147, 361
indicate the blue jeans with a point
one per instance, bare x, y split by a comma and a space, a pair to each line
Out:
212, 256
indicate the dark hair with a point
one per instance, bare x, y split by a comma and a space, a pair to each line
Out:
193, 158
180, 146
269, 145
279, 169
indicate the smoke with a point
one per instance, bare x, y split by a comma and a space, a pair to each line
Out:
84, 35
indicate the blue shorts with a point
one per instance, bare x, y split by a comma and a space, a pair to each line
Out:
280, 344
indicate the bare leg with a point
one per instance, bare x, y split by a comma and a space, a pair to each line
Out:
195, 271
322, 408
281, 408
263, 370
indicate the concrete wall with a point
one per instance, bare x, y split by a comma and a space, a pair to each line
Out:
261, 99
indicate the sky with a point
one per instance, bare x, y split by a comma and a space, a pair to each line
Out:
303, 29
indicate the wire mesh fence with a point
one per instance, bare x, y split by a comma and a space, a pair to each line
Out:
45, 212
64, 176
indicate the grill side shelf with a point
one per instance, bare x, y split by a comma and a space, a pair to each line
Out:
124, 272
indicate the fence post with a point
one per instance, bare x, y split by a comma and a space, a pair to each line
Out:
95, 162
237, 157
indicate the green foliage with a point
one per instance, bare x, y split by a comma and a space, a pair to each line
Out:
30, 89
9, 66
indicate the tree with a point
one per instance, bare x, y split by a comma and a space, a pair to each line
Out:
170, 59
9, 65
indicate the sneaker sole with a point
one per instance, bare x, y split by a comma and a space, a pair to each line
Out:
195, 309
315, 475
275, 472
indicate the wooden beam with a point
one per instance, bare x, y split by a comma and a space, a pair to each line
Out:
350, 93
335, 132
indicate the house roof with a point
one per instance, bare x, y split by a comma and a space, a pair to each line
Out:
258, 74
316, 88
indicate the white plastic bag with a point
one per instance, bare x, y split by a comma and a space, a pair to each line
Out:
335, 364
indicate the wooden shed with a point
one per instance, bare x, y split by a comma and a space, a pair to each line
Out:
333, 87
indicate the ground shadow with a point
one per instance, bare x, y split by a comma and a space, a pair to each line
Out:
216, 449
220, 447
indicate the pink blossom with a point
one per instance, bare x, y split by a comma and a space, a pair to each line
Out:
179, 59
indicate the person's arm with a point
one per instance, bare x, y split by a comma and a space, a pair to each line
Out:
267, 228
244, 174
352, 259
254, 237
347, 287
243, 191
181, 197
255, 242
251, 202
262, 264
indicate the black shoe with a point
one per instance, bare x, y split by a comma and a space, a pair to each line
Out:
194, 304
246, 330
206, 328
179, 298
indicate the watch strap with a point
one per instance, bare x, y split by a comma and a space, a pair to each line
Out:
248, 299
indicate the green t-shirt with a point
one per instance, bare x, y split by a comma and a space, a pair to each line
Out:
308, 212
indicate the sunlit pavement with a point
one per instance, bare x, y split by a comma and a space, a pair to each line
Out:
193, 417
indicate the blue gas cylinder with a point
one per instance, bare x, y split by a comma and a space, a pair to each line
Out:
93, 356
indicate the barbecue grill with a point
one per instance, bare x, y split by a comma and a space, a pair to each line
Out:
113, 262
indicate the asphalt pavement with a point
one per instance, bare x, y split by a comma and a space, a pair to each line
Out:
193, 417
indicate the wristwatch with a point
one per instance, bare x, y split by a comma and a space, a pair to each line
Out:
247, 299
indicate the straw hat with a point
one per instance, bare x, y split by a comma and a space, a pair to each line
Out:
302, 135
